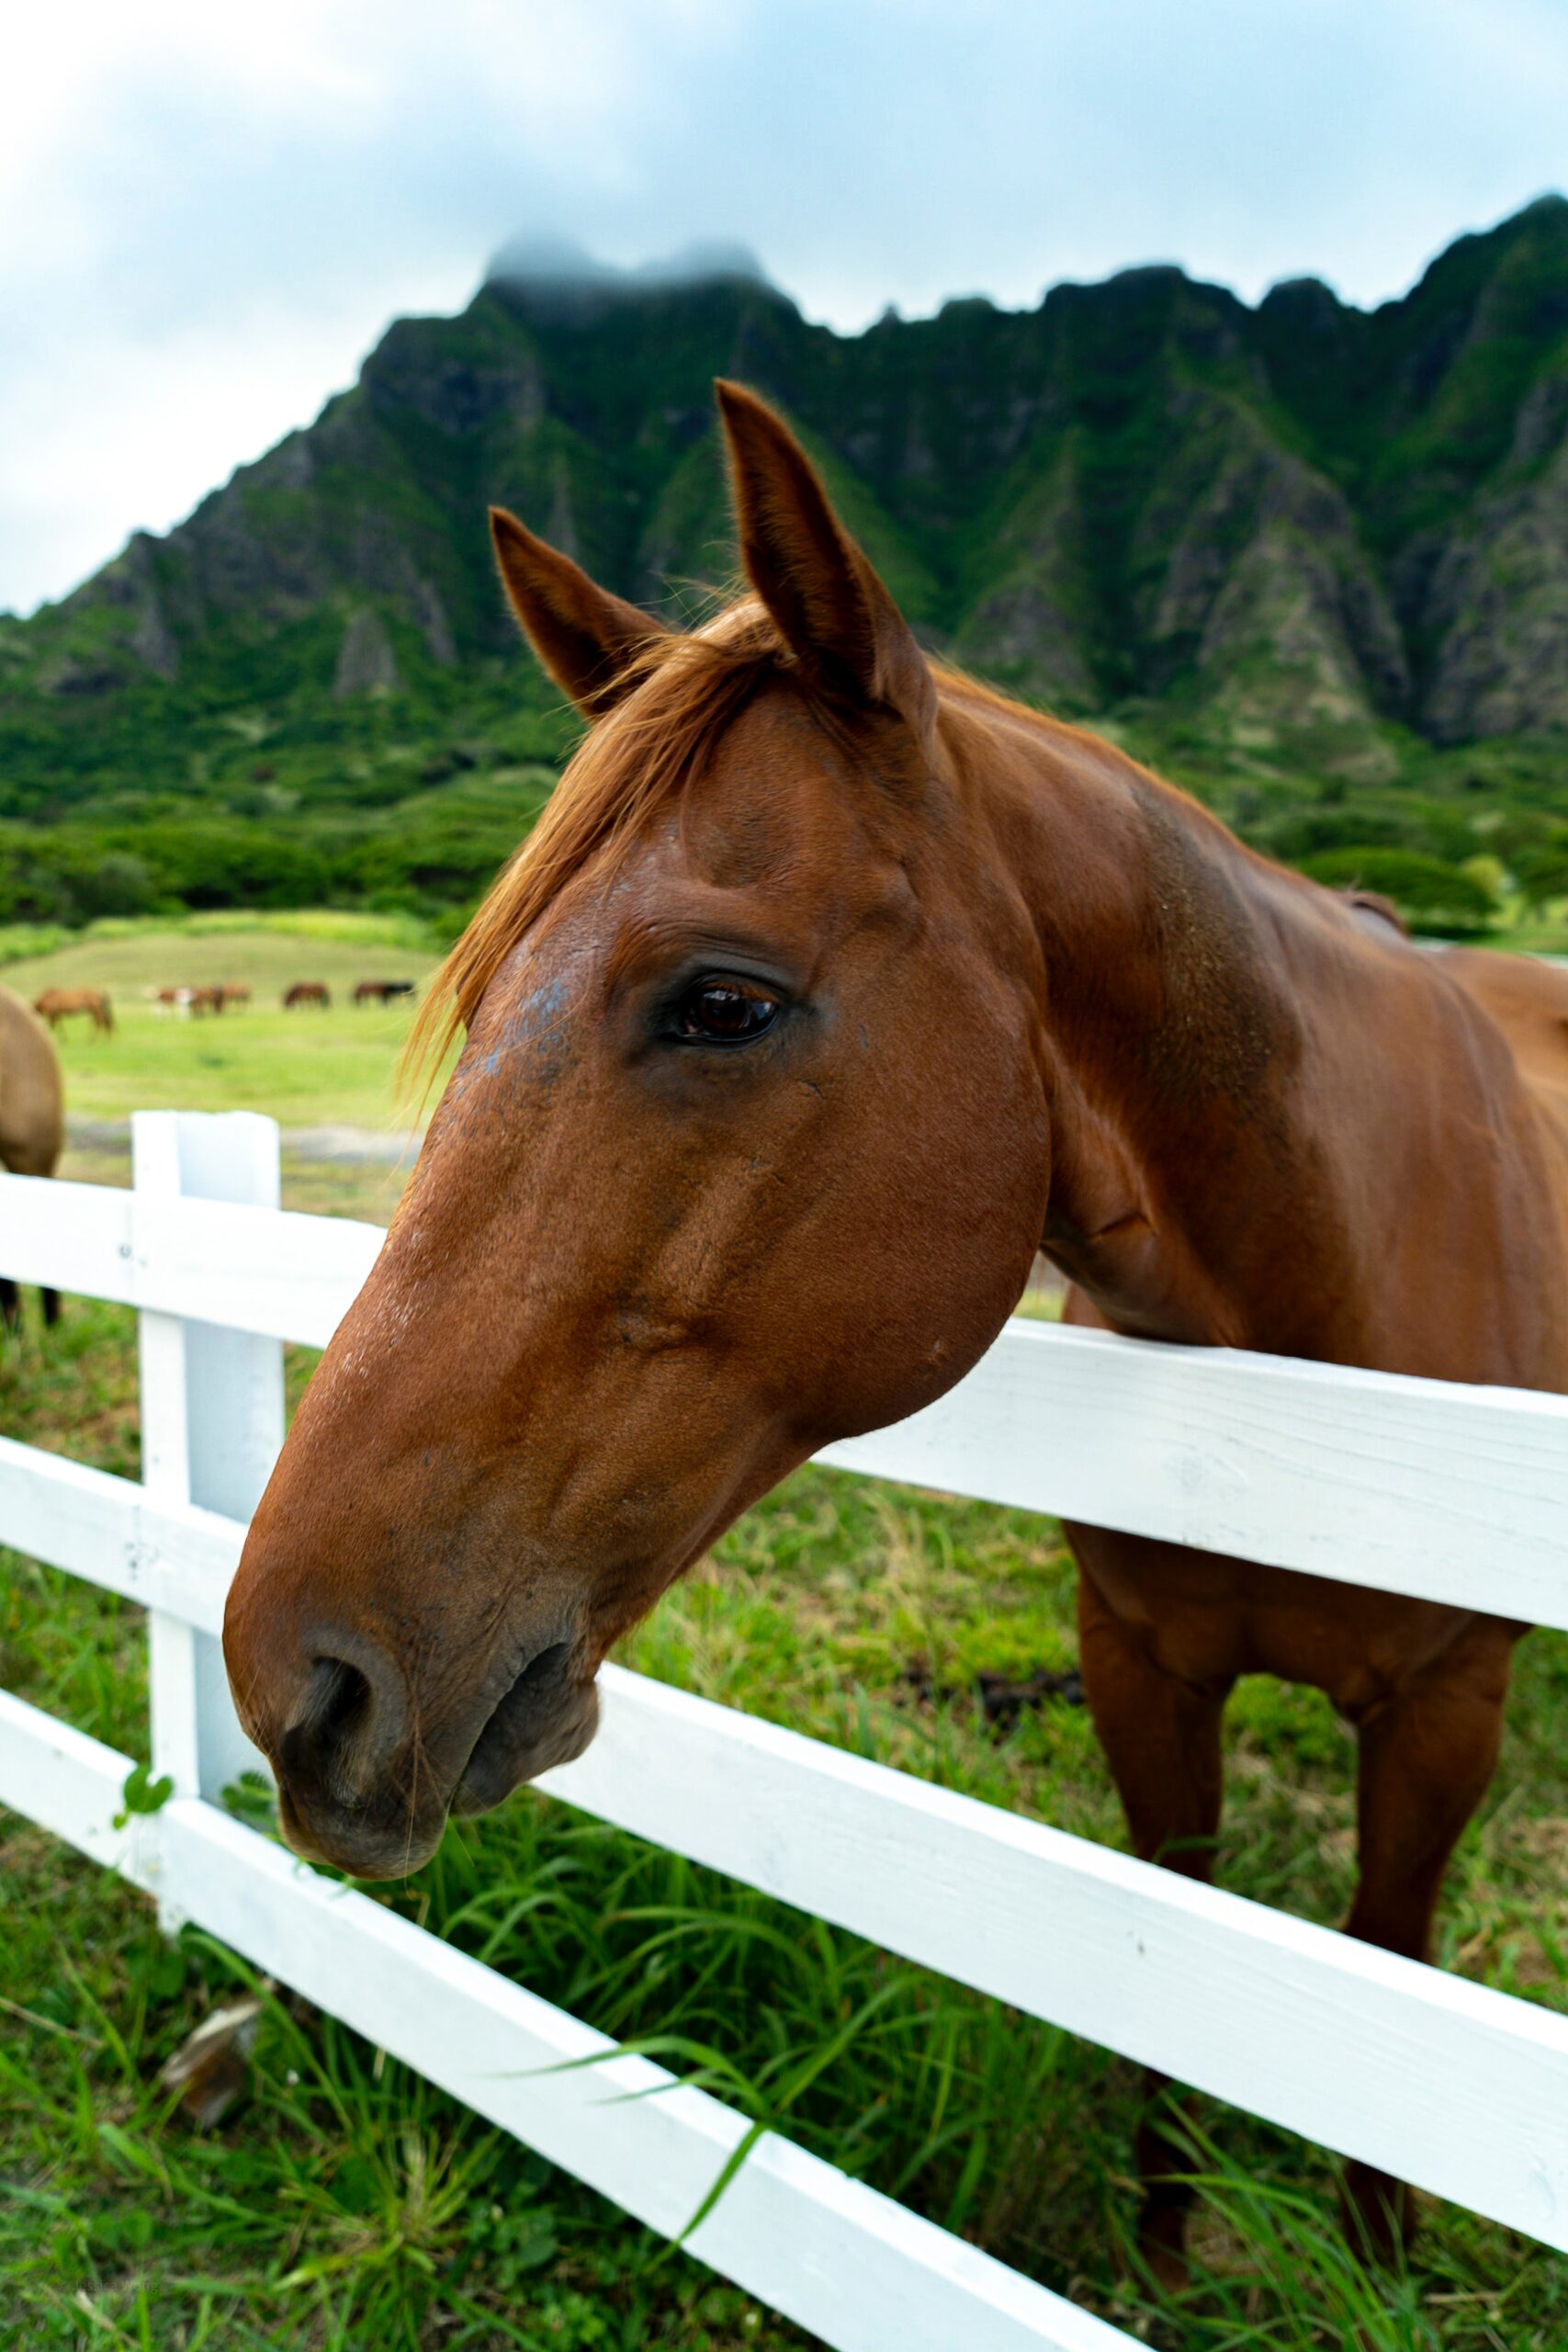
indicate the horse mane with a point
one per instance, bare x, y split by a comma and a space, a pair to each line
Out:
633, 762
1372, 902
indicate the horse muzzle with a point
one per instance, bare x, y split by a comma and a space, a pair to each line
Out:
368, 1769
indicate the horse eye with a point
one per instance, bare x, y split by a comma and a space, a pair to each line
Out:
727, 1012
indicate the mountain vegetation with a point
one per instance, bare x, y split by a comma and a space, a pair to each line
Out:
1311, 562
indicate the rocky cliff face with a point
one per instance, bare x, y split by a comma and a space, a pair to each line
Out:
1495, 607
1299, 523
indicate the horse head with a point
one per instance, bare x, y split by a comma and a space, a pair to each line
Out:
746, 1152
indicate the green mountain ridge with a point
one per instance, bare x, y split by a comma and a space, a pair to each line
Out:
1290, 550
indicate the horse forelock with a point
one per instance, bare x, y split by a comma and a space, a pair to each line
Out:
634, 761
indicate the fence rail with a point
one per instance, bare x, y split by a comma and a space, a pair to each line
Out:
1427, 1488
1456, 1493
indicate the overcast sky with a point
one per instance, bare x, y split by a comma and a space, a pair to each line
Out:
209, 209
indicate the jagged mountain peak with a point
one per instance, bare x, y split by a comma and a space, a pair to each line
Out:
532, 263
1305, 518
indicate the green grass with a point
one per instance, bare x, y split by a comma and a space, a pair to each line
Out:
307, 1067
346, 2204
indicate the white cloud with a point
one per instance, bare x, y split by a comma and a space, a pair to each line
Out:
211, 211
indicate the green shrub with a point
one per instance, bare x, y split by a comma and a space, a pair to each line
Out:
1431, 895
19, 941
1541, 870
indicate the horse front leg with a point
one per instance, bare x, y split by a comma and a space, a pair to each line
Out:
1161, 1737
1426, 1754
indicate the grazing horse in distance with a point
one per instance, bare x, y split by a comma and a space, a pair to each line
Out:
56, 1004
32, 1120
305, 992
829, 987
215, 997
381, 991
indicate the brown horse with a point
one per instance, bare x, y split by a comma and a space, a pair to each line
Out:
830, 986
56, 1004
306, 992
32, 1120
381, 991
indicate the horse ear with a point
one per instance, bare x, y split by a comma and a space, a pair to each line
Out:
586, 638
831, 609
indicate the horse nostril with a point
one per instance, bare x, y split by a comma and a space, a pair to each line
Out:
338, 1697
347, 1722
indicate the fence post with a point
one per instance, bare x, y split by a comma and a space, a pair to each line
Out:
211, 1425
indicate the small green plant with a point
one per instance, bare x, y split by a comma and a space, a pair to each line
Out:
141, 1793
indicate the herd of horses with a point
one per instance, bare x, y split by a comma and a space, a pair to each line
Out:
219, 996
56, 1005
316, 992
830, 989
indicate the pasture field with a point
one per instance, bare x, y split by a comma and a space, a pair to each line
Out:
307, 1067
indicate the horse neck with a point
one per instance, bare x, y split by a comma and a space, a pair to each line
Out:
1193, 1194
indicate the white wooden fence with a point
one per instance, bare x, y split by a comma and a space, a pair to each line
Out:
1419, 1486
